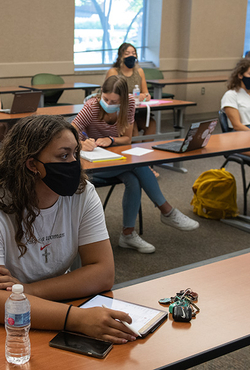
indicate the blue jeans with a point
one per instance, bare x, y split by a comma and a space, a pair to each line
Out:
135, 180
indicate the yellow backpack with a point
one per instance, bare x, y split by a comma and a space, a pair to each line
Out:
215, 195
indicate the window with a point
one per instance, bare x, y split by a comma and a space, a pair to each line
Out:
101, 26
247, 32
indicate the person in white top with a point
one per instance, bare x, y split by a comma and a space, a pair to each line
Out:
236, 101
49, 212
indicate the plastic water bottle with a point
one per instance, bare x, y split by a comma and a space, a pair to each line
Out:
17, 326
136, 94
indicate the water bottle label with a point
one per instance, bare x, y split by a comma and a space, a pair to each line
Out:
22, 319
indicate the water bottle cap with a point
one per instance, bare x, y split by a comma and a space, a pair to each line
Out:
17, 288
136, 85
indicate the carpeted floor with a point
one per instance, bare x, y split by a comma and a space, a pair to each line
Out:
175, 248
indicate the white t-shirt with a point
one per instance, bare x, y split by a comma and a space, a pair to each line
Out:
71, 222
239, 100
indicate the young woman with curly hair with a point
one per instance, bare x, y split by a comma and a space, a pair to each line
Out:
49, 212
236, 101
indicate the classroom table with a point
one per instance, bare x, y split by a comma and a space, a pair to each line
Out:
159, 84
70, 110
66, 86
179, 107
219, 144
221, 326
12, 89
62, 110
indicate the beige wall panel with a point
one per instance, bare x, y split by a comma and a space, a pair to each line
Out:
38, 35
211, 34
217, 28
198, 37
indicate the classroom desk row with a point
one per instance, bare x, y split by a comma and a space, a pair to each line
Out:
159, 84
221, 326
88, 88
70, 110
219, 144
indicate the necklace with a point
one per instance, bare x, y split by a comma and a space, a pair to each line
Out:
43, 236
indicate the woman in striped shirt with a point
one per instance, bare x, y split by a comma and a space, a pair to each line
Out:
107, 119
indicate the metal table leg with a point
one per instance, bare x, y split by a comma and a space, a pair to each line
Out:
177, 166
41, 101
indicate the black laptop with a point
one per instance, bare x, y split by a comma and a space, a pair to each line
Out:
24, 102
197, 137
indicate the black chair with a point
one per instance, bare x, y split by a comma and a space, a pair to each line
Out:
112, 182
237, 157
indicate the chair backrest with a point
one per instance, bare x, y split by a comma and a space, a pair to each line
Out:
50, 97
152, 74
223, 122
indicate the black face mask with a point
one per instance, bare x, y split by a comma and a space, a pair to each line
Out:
246, 82
129, 61
62, 177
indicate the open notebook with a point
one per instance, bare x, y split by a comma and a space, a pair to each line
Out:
100, 154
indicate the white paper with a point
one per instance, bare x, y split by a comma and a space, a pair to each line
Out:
137, 151
151, 102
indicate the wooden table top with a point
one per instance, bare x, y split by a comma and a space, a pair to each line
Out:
222, 320
65, 86
168, 104
188, 80
219, 144
12, 89
69, 110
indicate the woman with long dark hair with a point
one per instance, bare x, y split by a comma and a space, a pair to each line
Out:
49, 213
102, 122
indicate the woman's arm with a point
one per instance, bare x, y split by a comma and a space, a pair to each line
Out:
96, 322
122, 140
234, 116
88, 144
95, 275
144, 95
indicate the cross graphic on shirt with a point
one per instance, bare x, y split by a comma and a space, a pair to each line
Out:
46, 254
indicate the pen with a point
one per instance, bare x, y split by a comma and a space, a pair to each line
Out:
84, 133
127, 325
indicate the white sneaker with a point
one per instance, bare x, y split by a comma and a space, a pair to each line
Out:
179, 221
134, 241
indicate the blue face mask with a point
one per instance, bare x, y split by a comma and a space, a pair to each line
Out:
109, 108
246, 82
129, 61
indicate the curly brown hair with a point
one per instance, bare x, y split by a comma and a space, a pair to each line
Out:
234, 82
27, 138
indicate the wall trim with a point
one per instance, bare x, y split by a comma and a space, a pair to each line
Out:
197, 65
27, 69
